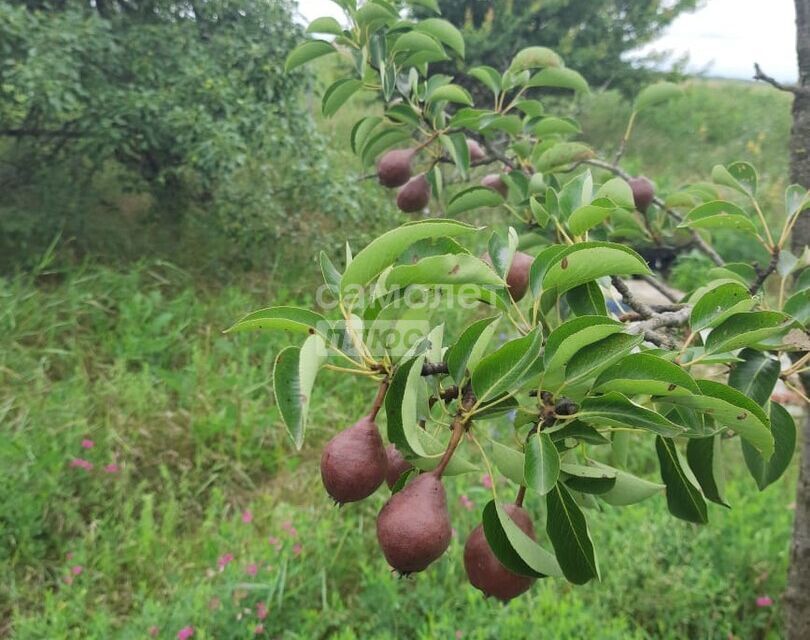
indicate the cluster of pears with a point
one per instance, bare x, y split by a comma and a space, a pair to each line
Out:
395, 170
413, 526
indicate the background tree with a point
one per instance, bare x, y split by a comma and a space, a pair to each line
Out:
185, 102
593, 40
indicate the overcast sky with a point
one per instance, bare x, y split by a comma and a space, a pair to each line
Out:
724, 38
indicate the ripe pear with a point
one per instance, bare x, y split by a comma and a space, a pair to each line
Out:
413, 527
354, 464
643, 192
517, 278
397, 465
475, 150
495, 182
485, 572
394, 167
415, 195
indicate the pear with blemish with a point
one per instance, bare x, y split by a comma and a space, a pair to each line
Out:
415, 195
643, 192
394, 167
495, 182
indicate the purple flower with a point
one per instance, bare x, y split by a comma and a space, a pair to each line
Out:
764, 601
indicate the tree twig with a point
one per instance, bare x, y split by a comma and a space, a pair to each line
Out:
759, 74
641, 308
762, 275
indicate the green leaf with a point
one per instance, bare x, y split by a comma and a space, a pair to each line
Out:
589, 216
307, 51
683, 495
542, 463
384, 250
533, 58
796, 200
469, 348
599, 356
514, 549
416, 42
382, 140
615, 410
617, 191
644, 373
293, 378
704, 456
568, 532
361, 131
444, 32
451, 93
285, 318
460, 268
577, 430
512, 125
717, 304
739, 176
331, 276
373, 15
509, 462
745, 330
337, 94
784, 435
731, 409
556, 126
589, 479
586, 261
629, 489
496, 373
325, 25
456, 146
433, 5
719, 214
472, 198
573, 335
656, 94
756, 375
576, 192
559, 77
586, 300
561, 155
487, 76
798, 306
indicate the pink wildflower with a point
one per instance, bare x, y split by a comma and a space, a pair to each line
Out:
259, 629
153, 631
247, 516
466, 502
289, 528
111, 468
225, 560
185, 633
81, 463
275, 542
252, 569
77, 570
297, 548
88, 444
764, 601
486, 480
261, 610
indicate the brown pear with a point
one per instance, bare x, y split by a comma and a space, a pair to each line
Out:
415, 195
394, 167
353, 464
495, 182
517, 278
397, 465
643, 192
413, 527
475, 150
485, 571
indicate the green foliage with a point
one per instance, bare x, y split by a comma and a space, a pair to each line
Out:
591, 39
558, 371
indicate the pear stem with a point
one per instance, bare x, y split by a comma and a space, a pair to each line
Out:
521, 494
378, 400
455, 439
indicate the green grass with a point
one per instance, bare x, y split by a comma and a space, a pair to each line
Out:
136, 362
133, 358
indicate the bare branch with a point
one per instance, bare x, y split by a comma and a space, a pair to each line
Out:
630, 300
664, 289
759, 74
762, 275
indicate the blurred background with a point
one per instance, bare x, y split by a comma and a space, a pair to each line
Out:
160, 176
